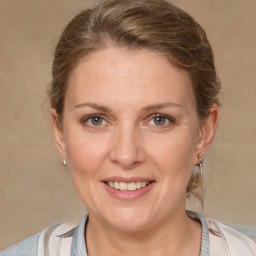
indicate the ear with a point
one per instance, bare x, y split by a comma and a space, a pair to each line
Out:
58, 133
207, 132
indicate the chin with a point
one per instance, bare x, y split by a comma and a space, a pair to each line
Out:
130, 220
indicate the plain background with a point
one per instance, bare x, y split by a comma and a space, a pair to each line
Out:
36, 191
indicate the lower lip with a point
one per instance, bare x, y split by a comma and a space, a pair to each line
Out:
128, 194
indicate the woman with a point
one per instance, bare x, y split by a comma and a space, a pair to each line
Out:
134, 100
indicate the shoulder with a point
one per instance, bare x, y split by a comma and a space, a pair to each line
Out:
248, 231
27, 247
41, 243
47, 241
229, 239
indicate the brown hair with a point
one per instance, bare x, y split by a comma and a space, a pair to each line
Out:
154, 25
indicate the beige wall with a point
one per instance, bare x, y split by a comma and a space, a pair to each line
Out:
35, 190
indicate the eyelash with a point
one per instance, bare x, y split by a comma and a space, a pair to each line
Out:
171, 120
85, 120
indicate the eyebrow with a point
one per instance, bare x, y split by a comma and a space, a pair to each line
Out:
161, 105
93, 105
145, 109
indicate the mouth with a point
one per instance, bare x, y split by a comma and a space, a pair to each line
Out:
127, 186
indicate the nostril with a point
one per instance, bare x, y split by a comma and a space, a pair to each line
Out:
127, 165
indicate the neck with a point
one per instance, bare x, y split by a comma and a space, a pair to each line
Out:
176, 235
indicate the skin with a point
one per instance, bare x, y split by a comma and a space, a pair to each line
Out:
126, 90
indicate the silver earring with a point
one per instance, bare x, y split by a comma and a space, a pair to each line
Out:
64, 162
201, 160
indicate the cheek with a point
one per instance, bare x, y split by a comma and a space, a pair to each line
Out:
174, 154
85, 153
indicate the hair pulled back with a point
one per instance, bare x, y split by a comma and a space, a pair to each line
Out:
154, 25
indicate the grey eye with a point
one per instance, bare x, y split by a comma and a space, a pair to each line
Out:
96, 120
159, 120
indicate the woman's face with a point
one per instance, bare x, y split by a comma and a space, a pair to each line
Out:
131, 136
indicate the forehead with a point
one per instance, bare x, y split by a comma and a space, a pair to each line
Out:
120, 75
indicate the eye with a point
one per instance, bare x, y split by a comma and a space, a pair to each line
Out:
94, 120
160, 120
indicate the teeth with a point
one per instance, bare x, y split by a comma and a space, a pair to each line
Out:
131, 186
123, 186
116, 185
138, 185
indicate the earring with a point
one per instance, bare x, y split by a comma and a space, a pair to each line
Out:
64, 162
201, 160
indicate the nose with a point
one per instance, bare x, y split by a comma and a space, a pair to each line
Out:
127, 148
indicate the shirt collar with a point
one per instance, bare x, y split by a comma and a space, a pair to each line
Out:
78, 247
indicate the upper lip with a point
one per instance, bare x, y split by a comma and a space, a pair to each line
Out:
127, 180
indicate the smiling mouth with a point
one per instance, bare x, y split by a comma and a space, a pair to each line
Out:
127, 186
